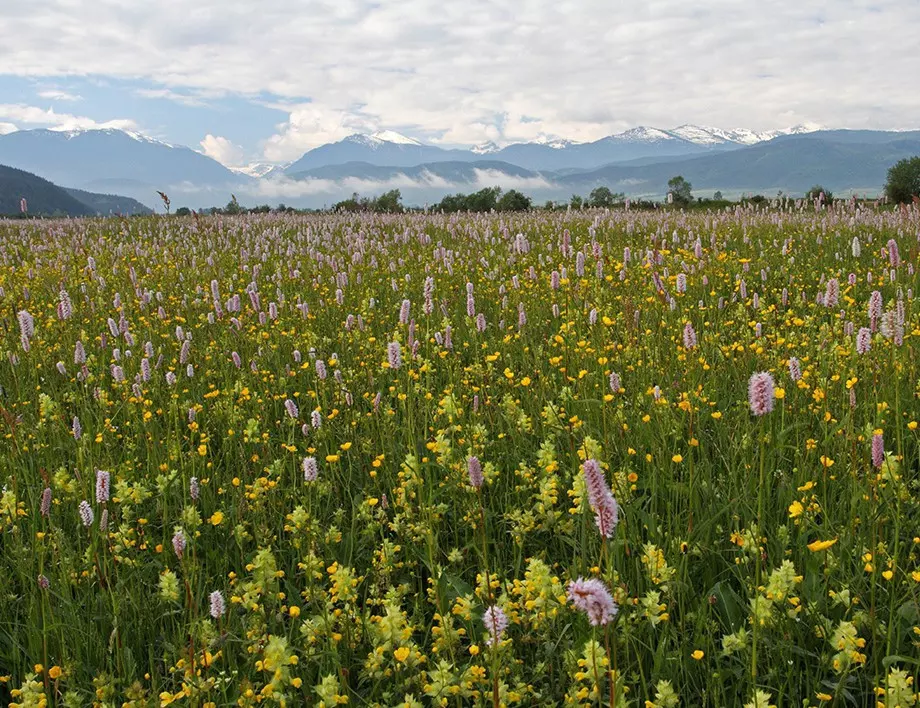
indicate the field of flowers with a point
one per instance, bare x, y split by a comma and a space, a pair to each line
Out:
625, 458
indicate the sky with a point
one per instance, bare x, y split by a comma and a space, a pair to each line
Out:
246, 82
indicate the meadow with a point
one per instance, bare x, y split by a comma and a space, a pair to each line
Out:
599, 458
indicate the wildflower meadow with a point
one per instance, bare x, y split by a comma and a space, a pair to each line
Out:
586, 458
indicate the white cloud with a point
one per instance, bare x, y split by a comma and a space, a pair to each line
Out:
194, 100
309, 126
290, 189
33, 116
496, 178
57, 95
223, 150
7, 128
426, 182
465, 73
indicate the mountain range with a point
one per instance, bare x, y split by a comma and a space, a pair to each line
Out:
119, 162
47, 199
394, 150
637, 162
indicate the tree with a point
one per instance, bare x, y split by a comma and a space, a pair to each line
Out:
904, 181
183, 211
816, 192
717, 196
513, 200
354, 203
577, 202
451, 203
484, 200
603, 198
388, 202
680, 190
600, 197
233, 206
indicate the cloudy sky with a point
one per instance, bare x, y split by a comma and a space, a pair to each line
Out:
246, 81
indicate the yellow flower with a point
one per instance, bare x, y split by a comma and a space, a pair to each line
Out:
401, 654
474, 649
525, 381
332, 458
795, 509
345, 447
216, 518
816, 546
294, 611
826, 461
779, 392
677, 459
824, 697
698, 654
54, 672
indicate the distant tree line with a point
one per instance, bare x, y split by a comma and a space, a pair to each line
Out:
387, 203
233, 208
488, 199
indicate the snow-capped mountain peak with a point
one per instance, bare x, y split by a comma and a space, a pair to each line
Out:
69, 134
553, 142
258, 169
375, 140
644, 134
390, 136
706, 135
485, 148
801, 128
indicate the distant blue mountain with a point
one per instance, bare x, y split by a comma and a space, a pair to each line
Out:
638, 162
394, 150
48, 199
390, 149
838, 160
116, 161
